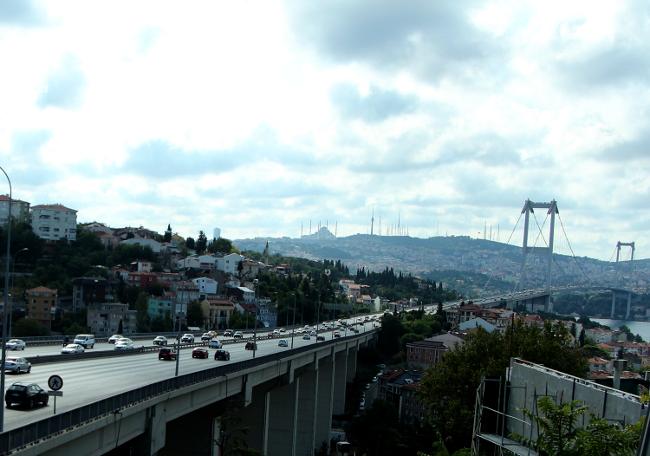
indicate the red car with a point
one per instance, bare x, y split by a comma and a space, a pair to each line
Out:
167, 354
200, 352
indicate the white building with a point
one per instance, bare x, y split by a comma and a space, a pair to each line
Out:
19, 210
153, 244
206, 285
203, 262
229, 263
54, 221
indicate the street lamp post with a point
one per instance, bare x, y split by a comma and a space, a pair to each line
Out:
13, 272
255, 283
293, 326
317, 316
6, 304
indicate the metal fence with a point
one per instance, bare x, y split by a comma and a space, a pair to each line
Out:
31, 433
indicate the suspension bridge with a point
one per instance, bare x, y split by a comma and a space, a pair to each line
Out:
536, 298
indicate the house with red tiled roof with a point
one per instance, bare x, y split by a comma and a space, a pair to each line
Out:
597, 364
53, 222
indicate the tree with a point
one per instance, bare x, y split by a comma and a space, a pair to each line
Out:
201, 242
28, 327
449, 389
376, 432
221, 245
559, 435
194, 314
189, 243
581, 338
120, 327
142, 317
168, 234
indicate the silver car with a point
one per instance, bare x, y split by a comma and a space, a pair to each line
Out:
17, 365
15, 344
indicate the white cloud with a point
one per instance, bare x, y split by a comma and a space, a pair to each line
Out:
256, 116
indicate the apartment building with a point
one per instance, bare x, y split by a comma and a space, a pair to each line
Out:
54, 221
41, 301
19, 210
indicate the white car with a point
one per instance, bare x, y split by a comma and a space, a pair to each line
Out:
15, 344
114, 338
188, 338
72, 349
127, 344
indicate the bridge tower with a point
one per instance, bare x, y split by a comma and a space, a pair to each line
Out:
620, 244
552, 210
626, 294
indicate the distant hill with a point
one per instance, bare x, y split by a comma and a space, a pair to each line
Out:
486, 266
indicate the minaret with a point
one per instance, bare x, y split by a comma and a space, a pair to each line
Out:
372, 223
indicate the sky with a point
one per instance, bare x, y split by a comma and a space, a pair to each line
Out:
258, 117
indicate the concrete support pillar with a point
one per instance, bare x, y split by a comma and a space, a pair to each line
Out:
281, 420
325, 401
250, 421
340, 380
352, 364
629, 304
613, 304
307, 409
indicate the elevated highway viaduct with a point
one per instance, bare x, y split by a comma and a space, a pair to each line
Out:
279, 403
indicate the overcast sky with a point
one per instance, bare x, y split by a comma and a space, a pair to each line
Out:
259, 116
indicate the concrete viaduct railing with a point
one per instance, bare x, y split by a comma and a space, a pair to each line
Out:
101, 426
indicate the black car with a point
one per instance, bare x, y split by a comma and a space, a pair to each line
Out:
320, 338
25, 395
250, 346
222, 355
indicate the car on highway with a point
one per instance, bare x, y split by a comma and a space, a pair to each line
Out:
283, 343
238, 335
250, 345
114, 338
222, 355
15, 344
206, 336
85, 340
15, 365
215, 343
187, 338
312, 333
160, 340
25, 395
306, 336
125, 343
337, 334
200, 352
282, 330
228, 333
167, 354
320, 338
72, 349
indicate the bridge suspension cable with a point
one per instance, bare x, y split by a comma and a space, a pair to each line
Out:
572, 252
519, 285
507, 242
